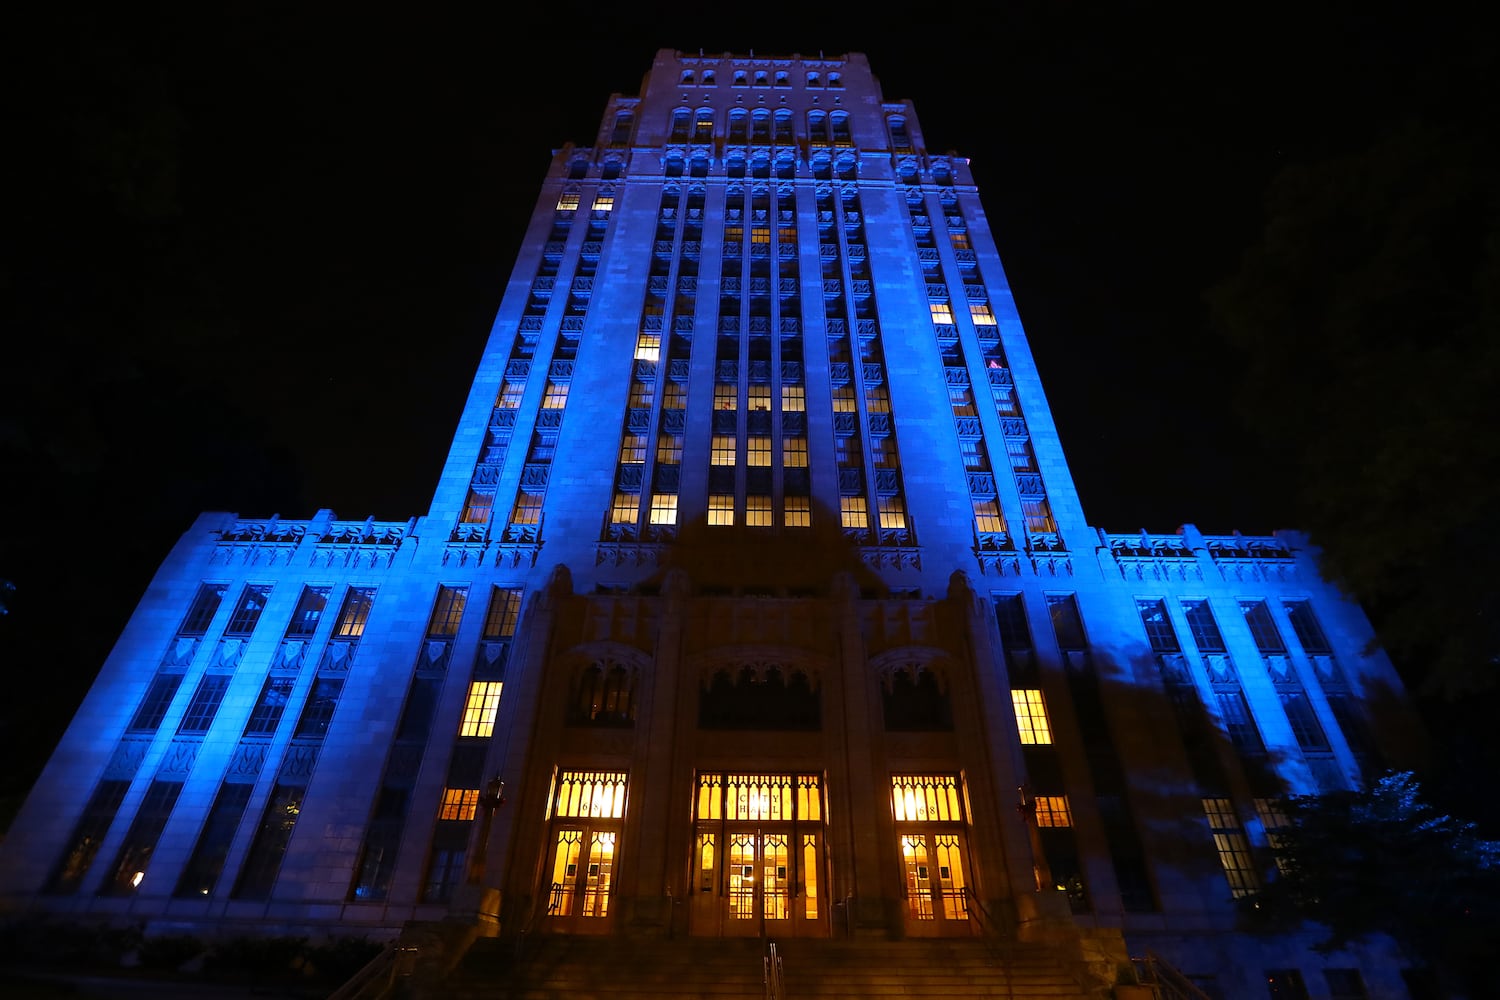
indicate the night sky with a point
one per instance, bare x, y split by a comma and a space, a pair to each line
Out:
253, 255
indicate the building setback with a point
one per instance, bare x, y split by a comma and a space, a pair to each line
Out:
757, 574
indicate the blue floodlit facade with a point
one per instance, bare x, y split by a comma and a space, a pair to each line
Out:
757, 573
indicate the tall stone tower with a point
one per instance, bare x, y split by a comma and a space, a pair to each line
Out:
757, 575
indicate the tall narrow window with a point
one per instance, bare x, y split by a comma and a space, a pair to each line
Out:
447, 611
1263, 627
247, 612
201, 612
201, 710
269, 707
1205, 630
1233, 847
1309, 632
1031, 716
1159, 631
1304, 721
505, 608
1067, 625
480, 709
309, 612
354, 613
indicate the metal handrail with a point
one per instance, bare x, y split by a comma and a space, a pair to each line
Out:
376, 979
1165, 980
771, 967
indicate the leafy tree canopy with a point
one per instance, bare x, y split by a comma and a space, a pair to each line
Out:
1383, 861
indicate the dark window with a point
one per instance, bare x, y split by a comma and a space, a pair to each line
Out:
269, 846
1285, 984
915, 701
445, 865
416, 717
768, 701
1066, 623
309, 610
207, 863
1205, 630
1345, 984
1304, 720
200, 711
318, 712
205, 605
1239, 722
247, 612
372, 880
1159, 631
1309, 632
266, 714
153, 707
87, 835
1263, 628
1010, 616
135, 853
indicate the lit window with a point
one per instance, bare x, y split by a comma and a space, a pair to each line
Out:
510, 394
726, 397
758, 511
1233, 847
877, 400
669, 449
1038, 516
959, 240
962, 401
733, 235
556, 397
1021, 457
843, 399
942, 312
980, 313
758, 451
760, 234
664, 508
794, 453
633, 449
447, 611
673, 396
459, 803
604, 203
921, 798
1031, 716
798, 512
567, 203
480, 709
759, 397
641, 394
793, 399
354, 613
584, 794
624, 509
892, 512
528, 509
853, 512
648, 347
1052, 810
723, 450
721, 509
987, 516
505, 609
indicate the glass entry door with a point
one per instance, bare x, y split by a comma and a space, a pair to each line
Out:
587, 809
757, 861
929, 823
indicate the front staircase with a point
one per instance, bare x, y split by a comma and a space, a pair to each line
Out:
611, 968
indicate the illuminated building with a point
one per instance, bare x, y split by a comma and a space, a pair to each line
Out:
757, 573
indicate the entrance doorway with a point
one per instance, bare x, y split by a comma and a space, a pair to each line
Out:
587, 810
757, 855
931, 825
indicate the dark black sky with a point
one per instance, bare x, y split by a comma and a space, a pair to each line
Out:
253, 253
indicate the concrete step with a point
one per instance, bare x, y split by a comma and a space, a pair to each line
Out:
616, 968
